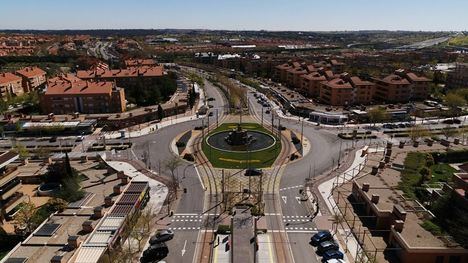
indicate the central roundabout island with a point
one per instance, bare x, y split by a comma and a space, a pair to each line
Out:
238, 146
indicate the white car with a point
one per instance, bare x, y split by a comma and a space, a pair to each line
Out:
333, 260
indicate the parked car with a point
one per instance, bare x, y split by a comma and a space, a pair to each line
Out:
267, 112
79, 138
162, 236
211, 99
53, 139
210, 114
155, 252
332, 254
320, 237
327, 245
253, 172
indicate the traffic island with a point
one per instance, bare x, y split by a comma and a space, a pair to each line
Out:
241, 146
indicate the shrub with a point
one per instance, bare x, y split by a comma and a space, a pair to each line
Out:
180, 144
431, 227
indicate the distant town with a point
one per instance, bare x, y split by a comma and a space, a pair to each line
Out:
233, 146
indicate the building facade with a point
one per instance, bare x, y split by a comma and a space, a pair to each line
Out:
33, 78
458, 78
68, 94
10, 197
10, 85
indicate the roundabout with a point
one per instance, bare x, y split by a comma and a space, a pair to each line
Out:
239, 146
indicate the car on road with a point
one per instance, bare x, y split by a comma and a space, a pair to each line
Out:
154, 253
162, 236
210, 114
332, 254
327, 245
53, 139
267, 112
79, 138
253, 172
320, 237
211, 99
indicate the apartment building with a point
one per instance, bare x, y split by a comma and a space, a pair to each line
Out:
10, 85
420, 86
139, 62
33, 78
458, 78
401, 86
10, 198
346, 90
124, 77
310, 84
69, 94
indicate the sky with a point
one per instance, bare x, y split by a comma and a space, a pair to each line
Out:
297, 15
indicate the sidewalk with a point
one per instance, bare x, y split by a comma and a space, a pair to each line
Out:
149, 128
326, 189
158, 191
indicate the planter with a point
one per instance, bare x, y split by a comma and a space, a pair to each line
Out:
415, 143
401, 145
48, 189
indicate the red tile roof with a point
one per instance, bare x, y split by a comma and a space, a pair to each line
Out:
339, 84
395, 79
139, 62
8, 77
68, 85
314, 76
144, 71
414, 77
31, 72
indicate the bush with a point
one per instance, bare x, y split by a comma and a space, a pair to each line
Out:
431, 227
223, 229
180, 144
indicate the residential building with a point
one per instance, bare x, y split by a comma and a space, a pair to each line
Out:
402, 86
139, 62
420, 86
10, 198
10, 84
458, 78
33, 78
346, 90
124, 77
69, 94
310, 84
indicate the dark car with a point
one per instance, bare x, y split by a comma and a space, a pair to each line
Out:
211, 99
267, 112
327, 245
329, 254
253, 172
162, 236
155, 252
210, 114
53, 139
320, 237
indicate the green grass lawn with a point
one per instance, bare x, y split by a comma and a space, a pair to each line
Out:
236, 160
410, 176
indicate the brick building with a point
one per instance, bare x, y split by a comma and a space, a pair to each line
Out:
69, 94
402, 86
33, 78
10, 84
458, 78
9, 186
346, 90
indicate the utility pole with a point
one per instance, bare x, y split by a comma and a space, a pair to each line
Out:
302, 135
217, 123
262, 116
222, 188
203, 128
272, 123
339, 153
208, 125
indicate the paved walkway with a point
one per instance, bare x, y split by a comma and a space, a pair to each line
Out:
158, 191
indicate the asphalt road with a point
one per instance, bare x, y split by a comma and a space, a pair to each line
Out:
188, 219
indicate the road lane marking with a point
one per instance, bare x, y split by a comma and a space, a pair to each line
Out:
183, 249
285, 198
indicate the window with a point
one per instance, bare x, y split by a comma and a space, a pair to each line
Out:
439, 259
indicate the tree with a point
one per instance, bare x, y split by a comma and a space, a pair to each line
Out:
418, 132
425, 173
160, 112
23, 219
378, 114
68, 167
171, 165
57, 204
22, 151
454, 101
448, 132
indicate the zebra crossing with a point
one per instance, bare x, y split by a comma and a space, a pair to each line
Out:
188, 222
